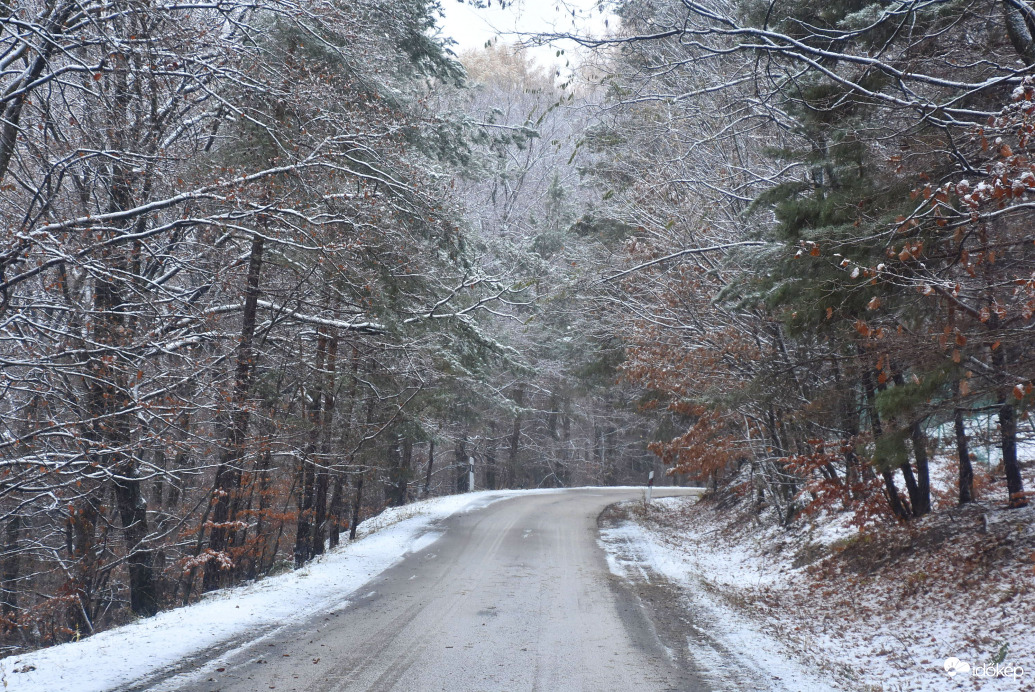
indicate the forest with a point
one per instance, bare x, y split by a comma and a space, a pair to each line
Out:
269, 267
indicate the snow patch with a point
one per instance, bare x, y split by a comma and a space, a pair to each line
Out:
865, 629
727, 647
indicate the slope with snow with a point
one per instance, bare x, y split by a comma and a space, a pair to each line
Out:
903, 609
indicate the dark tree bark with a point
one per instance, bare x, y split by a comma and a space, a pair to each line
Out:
337, 512
228, 472
850, 429
323, 474
963, 451
254, 560
551, 416
356, 504
1008, 435
264, 479
777, 435
920, 486
912, 487
891, 492
567, 454
182, 462
922, 503
431, 463
400, 452
600, 455
460, 455
307, 464
515, 439
1008, 430
774, 434
404, 476
81, 531
11, 569
143, 598
1019, 29
305, 481
108, 402
490, 460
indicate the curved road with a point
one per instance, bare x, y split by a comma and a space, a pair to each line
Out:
515, 596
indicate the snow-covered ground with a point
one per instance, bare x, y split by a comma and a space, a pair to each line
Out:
731, 650
900, 610
237, 617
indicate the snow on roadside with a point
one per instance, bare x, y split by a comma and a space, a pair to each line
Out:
122, 655
887, 611
729, 648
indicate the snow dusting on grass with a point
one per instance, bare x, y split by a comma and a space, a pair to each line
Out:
877, 611
236, 617
729, 649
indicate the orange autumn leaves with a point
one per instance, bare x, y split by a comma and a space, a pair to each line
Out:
705, 450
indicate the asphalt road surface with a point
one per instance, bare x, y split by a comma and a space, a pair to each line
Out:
515, 596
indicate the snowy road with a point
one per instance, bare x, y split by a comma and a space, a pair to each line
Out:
515, 596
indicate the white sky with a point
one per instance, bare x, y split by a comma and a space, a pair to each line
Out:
471, 27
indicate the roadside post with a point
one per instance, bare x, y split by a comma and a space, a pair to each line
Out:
470, 474
650, 485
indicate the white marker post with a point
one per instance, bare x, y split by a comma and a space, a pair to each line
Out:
650, 485
470, 474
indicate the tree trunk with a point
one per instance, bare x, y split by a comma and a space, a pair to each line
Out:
893, 497
600, 455
109, 431
920, 486
515, 439
460, 454
912, 488
143, 599
264, 479
228, 472
431, 463
323, 474
399, 455
337, 510
305, 481
1008, 429
551, 416
356, 503
319, 540
338, 518
11, 568
963, 451
850, 429
1008, 432
490, 460
407, 461
922, 504
82, 526
181, 463
1019, 31
891, 492
567, 453
304, 547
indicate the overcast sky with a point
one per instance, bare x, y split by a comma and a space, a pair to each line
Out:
471, 27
